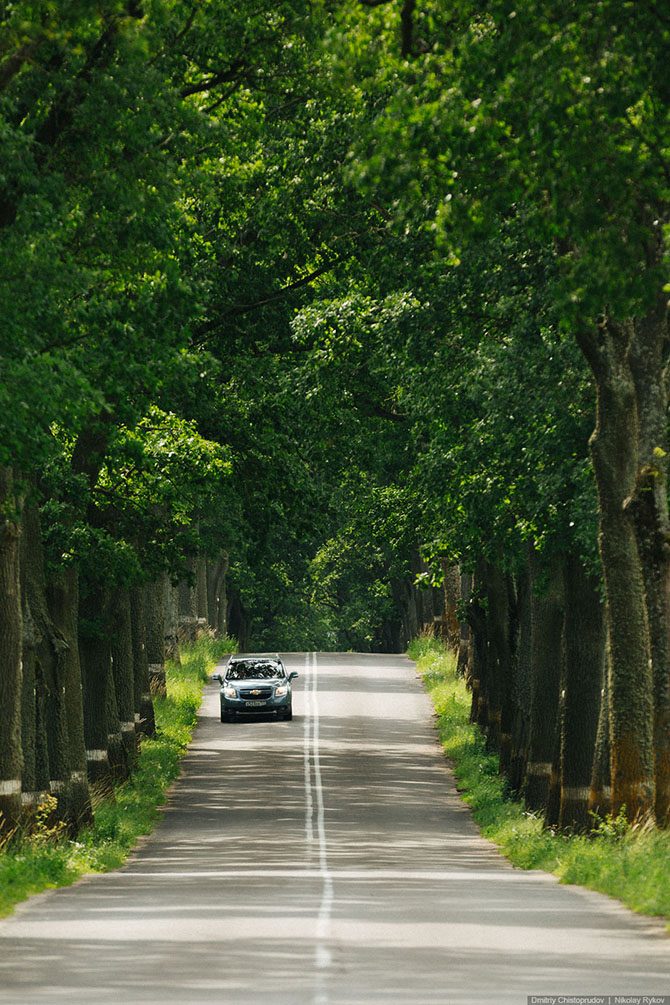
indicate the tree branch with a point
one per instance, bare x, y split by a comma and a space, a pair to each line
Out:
222, 77
407, 28
281, 293
13, 64
587, 340
373, 408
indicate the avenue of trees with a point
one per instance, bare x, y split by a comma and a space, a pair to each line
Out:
321, 320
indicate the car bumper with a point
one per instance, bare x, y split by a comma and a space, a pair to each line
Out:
270, 705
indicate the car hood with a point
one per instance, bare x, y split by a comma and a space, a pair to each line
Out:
256, 682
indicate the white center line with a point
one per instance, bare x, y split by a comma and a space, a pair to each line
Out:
314, 781
307, 760
325, 911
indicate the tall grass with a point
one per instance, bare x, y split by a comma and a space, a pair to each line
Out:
630, 864
47, 858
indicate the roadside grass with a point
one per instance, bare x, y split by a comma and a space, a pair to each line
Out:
631, 864
47, 858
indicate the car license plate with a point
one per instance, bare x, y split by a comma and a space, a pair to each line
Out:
256, 703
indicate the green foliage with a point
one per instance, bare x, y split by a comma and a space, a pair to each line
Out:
630, 864
45, 858
311, 280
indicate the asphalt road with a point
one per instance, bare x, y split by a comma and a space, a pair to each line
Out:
324, 861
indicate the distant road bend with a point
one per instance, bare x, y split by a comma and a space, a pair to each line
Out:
324, 861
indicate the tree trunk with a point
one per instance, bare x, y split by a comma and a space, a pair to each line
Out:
584, 670
222, 602
614, 451
238, 620
498, 653
402, 626
508, 708
553, 808
46, 726
648, 506
188, 604
600, 794
46, 762
546, 645
64, 608
170, 618
452, 597
145, 721
202, 606
478, 626
462, 663
155, 637
522, 684
29, 792
63, 605
95, 654
11, 678
124, 673
52, 769
118, 763
216, 594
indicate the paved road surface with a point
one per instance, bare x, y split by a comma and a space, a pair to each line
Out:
325, 861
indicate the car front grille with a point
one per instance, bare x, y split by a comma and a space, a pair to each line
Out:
256, 693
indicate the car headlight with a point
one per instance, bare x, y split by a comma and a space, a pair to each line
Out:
281, 690
229, 692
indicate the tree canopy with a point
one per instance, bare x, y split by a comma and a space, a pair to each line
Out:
335, 294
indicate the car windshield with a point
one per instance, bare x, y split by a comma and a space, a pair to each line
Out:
254, 670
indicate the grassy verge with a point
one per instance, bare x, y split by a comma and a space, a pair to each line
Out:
47, 859
631, 865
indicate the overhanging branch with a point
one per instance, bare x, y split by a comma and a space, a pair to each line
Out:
226, 76
239, 309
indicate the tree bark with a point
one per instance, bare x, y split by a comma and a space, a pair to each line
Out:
648, 506
202, 605
397, 630
600, 793
462, 663
118, 763
95, 653
478, 626
614, 451
46, 761
452, 595
508, 707
546, 646
498, 653
63, 605
30, 792
522, 683
11, 676
145, 721
171, 618
238, 620
188, 604
124, 673
222, 603
155, 637
553, 807
217, 601
584, 671
28, 705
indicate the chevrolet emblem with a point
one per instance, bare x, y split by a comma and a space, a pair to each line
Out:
255, 692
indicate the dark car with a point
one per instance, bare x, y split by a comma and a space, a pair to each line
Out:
255, 685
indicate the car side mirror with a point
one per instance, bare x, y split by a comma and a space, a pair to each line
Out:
293, 675
217, 676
